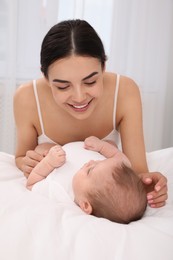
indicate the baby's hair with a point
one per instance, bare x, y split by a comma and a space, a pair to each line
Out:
121, 199
70, 37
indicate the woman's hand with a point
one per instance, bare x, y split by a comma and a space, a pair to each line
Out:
31, 159
156, 186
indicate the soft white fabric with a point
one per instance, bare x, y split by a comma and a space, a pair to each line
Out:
33, 226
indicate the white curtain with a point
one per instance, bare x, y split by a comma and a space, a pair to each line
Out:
138, 38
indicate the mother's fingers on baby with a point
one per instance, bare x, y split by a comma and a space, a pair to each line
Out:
33, 156
146, 178
161, 184
158, 179
158, 205
157, 200
26, 174
27, 170
155, 194
29, 163
161, 198
160, 190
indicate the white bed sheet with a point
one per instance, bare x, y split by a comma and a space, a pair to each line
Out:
35, 227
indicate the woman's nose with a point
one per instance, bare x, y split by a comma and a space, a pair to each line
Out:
79, 94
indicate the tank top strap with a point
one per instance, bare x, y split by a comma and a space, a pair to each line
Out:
115, 100
38, 106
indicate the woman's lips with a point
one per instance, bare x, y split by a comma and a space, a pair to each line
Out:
80, 108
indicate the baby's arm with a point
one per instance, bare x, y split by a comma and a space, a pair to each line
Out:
106, 148
55, 158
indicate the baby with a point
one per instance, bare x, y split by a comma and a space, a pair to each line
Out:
106, 188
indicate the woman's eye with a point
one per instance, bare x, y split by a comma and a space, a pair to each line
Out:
90, 83
62, 88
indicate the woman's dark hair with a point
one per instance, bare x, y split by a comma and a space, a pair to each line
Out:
71, 37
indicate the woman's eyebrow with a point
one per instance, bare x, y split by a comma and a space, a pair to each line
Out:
66, 81
60, 81
90, 75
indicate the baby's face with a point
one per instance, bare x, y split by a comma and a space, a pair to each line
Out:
92, 174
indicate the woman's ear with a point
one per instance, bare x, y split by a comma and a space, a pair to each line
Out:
86, 207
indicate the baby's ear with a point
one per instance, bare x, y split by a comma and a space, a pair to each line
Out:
86, 206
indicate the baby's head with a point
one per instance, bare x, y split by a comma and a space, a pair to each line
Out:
105, 189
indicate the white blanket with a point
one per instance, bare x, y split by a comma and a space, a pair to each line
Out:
38, 227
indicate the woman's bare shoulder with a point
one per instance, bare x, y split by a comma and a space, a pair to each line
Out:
128, 97
110, 81
24, 90
27, 87
109, 76
128, 85
23, 103
25, 93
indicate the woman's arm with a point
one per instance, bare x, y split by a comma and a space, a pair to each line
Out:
24, 114
129, 113
130, 124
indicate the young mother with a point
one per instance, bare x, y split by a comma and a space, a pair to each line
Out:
77, 98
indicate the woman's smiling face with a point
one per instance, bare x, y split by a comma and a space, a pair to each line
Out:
77, 84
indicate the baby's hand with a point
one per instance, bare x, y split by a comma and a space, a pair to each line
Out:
56, 156
93, 143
